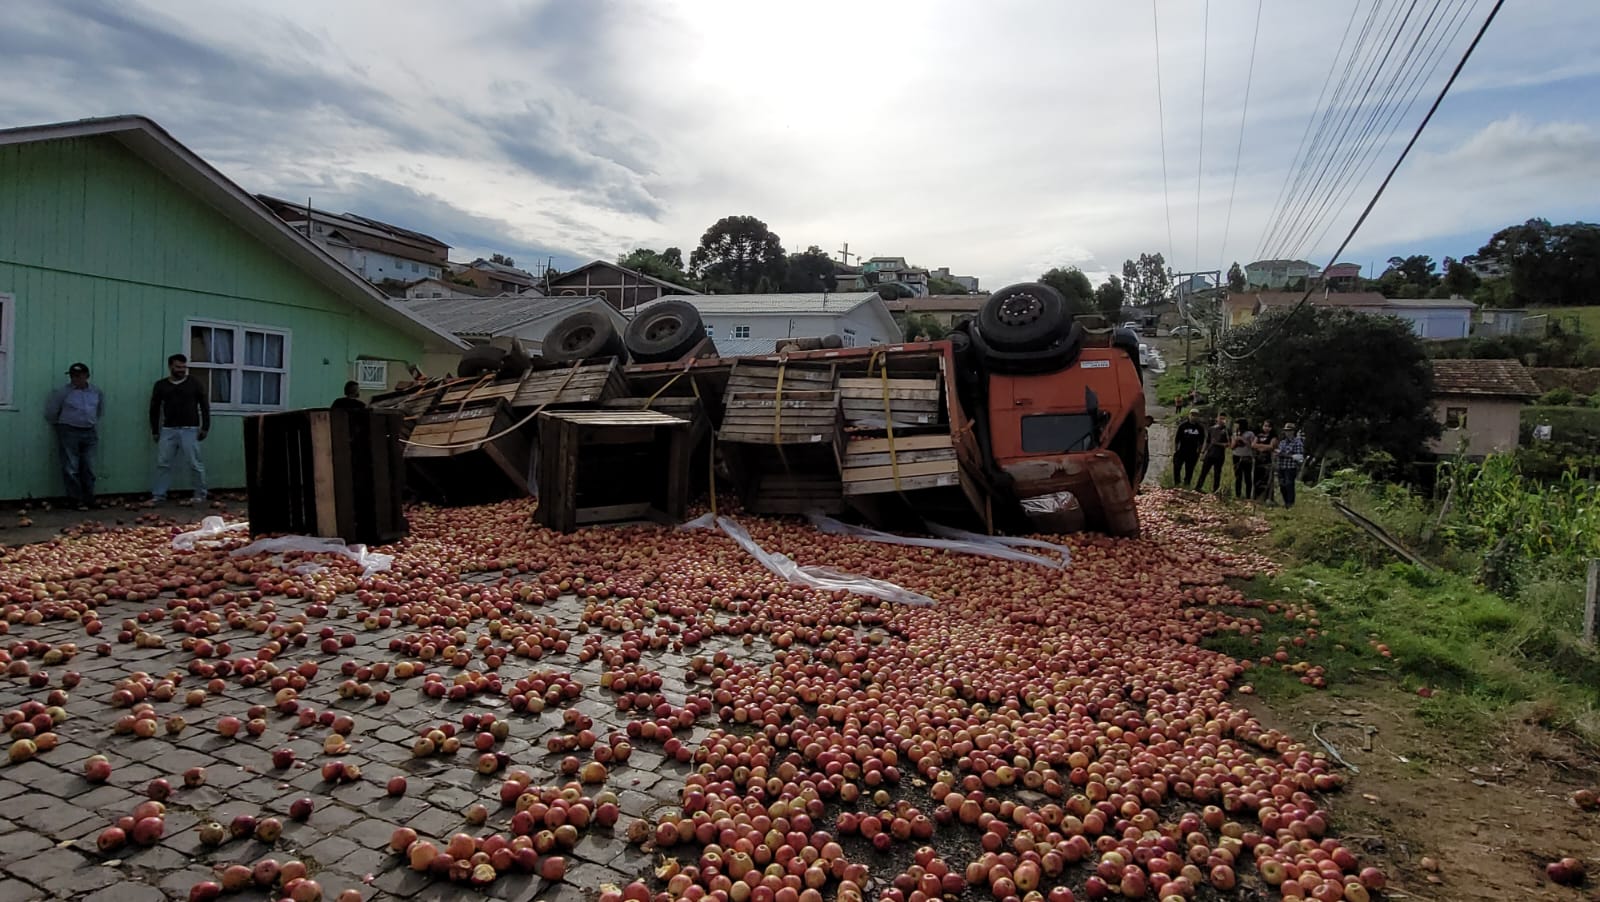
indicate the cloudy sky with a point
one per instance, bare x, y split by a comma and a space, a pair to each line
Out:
996, 138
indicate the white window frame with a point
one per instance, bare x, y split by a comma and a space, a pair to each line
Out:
711, 331
740, 332
238, 367
8, 345
1460, 422
372, 374
849, 338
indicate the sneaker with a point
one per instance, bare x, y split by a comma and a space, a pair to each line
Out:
82, 506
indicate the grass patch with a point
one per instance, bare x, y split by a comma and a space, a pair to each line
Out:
1488, 658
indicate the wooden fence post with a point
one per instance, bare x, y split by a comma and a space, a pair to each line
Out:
1590, 590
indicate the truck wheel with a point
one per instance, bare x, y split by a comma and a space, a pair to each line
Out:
665, 330
479, 360
1028, 317
1055, 357
582, 336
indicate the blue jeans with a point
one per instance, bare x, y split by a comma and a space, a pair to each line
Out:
77, 445
175, 440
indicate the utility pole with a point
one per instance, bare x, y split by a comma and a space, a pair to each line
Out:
1180, 290
845, 255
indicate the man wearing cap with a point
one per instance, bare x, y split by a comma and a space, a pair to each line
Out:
74, 410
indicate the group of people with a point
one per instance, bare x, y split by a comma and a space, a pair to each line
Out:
1266, 461
180, 419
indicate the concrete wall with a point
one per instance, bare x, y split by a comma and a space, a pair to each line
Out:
1492, 424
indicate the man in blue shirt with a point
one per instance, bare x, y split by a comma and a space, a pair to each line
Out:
74, 410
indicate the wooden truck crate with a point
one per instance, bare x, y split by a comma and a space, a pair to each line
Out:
329, 473
598, 466
786, 479
410, 403
910, 402
451, 463
931, 485
772, 375
553, 385
781, 418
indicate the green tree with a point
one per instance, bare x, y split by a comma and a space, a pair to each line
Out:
1458, 280
1074, 286
920, 325
1550, 264
811, 271
1110, 297
941, 285
1357, 383
1414, 276
1147, 280
502, 259
740, 254
660, 266
1236, 279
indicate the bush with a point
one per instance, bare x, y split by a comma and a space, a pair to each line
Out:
1556, 397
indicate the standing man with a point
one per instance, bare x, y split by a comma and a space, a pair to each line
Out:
351, 399
1216, 450
180, 417
1187, 442
75, 410
1291, 457
1244, 461
1265, 447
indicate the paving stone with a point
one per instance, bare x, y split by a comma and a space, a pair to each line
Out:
45, 865
519, 887
402, 882
82, 879
13, 890
434, 822
127, 891
156, 858
370, 833
56, 818
330, 849
106, 799
366, 861
176, 883
9, 788
41, 777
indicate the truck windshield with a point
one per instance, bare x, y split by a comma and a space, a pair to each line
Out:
1055, 432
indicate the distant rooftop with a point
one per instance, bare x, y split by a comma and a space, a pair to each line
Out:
1488, 378
775, 304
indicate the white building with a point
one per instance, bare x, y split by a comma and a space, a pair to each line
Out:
377, 251
970, 283
527, 317
1279, 274
755, 323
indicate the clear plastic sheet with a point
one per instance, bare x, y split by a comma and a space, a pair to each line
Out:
371, 562
947, 532
211, 530
986, 548
825, 578
1053, 503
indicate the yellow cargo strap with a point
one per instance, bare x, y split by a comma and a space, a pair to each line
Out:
888, 416
509, 429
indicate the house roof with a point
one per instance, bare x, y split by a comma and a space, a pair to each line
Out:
839, 302
491, 316
456, 289
155, 146
1272, 299
938, 303
280, 206
630, 273
502, 269
1484, 378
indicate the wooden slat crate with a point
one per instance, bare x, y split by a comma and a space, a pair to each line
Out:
925, 461
786, 418
477, 472
476, 393
330, 473
559, 386
599, 466
760, 375
911, 402
786, 479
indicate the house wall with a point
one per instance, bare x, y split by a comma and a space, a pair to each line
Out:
621, 291
867, 328
1493, 424
1434, 323
108, 259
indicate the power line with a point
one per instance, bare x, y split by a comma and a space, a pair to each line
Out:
1161, 114
1200, 167
1238, 152
1367, 211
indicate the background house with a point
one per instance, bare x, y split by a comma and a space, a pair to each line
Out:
896, 269
948, 309
970, 283
622, 288
376, 250
1277, 274
1430, 318
119, 246
1480, 403
475, 320
496, 278
441, 288
754, 323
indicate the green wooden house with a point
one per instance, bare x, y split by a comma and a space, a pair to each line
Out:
120, 246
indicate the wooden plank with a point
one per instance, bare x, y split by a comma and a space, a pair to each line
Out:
876, 383
446, 416
926, 468
907, 484
756, 418
906, 457
616, 417
908, 404
322, 473
610, 513
901, 443
344, 480
875, 393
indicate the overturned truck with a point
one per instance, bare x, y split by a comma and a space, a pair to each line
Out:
1021, 420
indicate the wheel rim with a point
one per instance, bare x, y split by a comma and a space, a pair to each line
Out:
577, 338
1020, 310
663, 327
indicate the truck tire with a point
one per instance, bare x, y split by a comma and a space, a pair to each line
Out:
664, 331
1027, 317
582, 336
832, 341
1055, 357
479, 360
1128, 341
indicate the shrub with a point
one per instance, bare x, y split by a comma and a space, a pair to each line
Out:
1556, 397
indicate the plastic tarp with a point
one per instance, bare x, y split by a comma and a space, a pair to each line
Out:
825, 578
211, 530
371, 562
1054, 503
971, 543
947, 532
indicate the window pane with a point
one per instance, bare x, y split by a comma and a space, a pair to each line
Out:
199, 344
221, 345
272, 389
251, 393
254, 346
273, 356
220, 385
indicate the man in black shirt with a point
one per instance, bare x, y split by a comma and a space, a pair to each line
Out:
180, 417
1217, 440
1188, 441
352, 398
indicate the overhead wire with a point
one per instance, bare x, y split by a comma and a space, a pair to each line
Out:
1161, 118
1238, 153
1359, 67
1200, 166
1444, 91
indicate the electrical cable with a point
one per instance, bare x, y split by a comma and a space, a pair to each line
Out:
1161, 115
1238, 152
1200, 166
1367, 211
